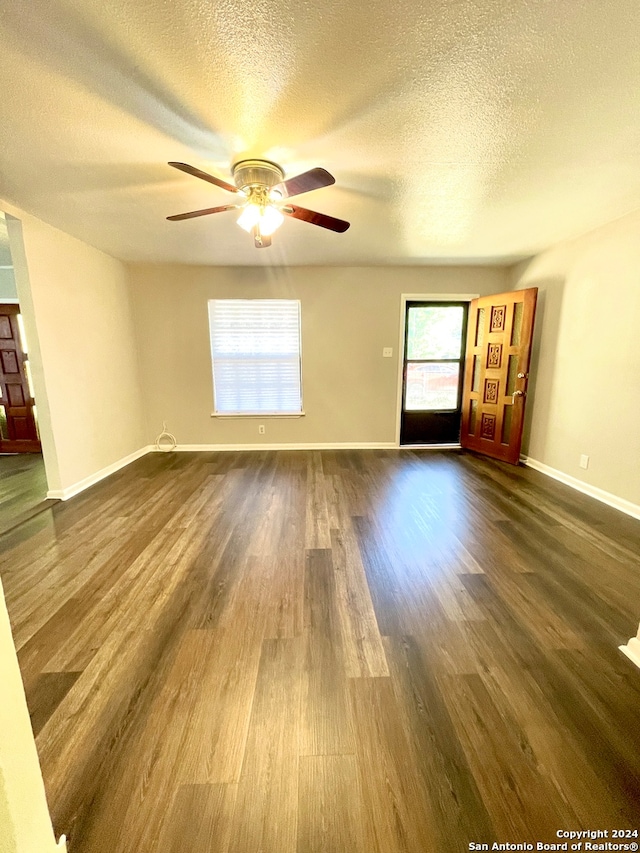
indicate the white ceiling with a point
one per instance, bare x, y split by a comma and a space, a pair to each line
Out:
477, 130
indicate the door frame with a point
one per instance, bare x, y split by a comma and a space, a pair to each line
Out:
24, 299
418, 297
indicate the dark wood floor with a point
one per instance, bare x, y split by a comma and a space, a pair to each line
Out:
23, 488
342, 652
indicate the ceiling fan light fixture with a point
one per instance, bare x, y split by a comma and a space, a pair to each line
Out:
267, 217
249, 217
270, 220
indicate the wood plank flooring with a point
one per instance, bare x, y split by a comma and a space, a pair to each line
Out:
23, 488
346, 652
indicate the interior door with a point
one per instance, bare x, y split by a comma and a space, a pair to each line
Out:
499, 333
18, 429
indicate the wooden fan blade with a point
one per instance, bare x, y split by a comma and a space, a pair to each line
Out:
304, 183
193, 213
321, 219
260, 241
197, 173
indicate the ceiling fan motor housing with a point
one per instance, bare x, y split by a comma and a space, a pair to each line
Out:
256, 173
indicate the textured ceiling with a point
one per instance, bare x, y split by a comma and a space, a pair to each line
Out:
472, 131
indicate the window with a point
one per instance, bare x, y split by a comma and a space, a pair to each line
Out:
434, 352
255, 349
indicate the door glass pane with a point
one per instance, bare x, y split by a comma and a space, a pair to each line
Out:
506, 424
473, 415
434, 332
23, 335
512, 375
480, 327
475, 385
27, 370
431, 387
517, 324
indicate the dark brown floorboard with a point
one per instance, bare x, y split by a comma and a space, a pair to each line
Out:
23, 489
328, 652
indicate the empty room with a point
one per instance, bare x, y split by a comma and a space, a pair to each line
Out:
319, 426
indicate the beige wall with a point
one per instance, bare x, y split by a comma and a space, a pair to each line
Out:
586, 365
25, 826
91, 381
348, 316
79, 323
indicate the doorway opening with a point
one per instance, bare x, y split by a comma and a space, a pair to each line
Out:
18, 414
23, 481
433, 372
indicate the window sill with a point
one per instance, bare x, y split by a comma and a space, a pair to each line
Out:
258, 415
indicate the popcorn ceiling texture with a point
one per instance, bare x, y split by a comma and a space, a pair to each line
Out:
474, 131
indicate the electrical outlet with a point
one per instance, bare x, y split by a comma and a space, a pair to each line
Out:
261, 429
387, 352
584, 461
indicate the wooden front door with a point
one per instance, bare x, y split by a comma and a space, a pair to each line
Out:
18, 430
499, 336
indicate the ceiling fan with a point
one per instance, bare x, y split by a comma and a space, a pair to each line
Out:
264, 197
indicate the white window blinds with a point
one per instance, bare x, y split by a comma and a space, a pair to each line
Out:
255, 349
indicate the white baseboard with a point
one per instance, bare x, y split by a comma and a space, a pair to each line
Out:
632, 650
599, 494
70, 491
346, 445
76, 488
580, 486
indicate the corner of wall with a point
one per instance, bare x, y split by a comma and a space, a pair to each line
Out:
144, 415
586, 357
